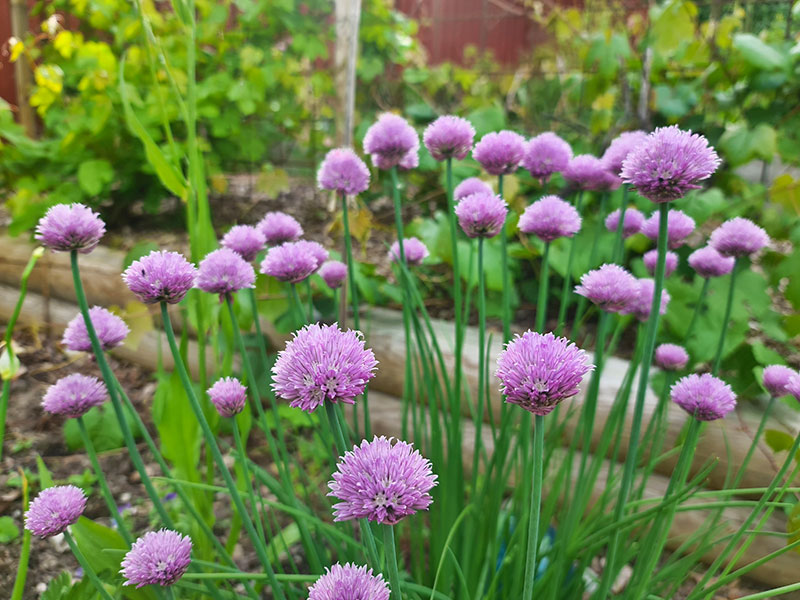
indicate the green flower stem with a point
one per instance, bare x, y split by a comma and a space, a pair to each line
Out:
566, 289
310, 294
87, 568
698, 308
535, 507
366, 530
351, 267
583, 300
480, 400
658, 535
25, 552
727, 318
106, 493
108, 378
211, 443
506, 296
170, 592
619, 240
609, 574
590, 403
541, 302
241, 450
391, 561
297, 306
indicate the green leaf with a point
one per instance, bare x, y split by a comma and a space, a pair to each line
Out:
58, 587
673, 25
793, 525
139, 250
779, 441
8, 530
94, 175
178, 431
45, 478
758, 53
102, 427
785, 191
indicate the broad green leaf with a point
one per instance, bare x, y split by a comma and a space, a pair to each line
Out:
793, 525
779, 441
94, 175
758, 53
785, 191
8, 530
45, 478
178, 430
672, 26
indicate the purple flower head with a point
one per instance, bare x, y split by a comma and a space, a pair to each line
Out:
609, 182
343, 171
157, 558
315, 249
619, 148
679, 227
224, 272
408, 162
707, 262
705, 397
470, 186
110, 329
777, 378
72, 396
289, 262
228, 395
610, 287
247, 241
349, 582
738, 237
320, 363
643, 303
500, 152
449, 137
278, 227
793, 387
55, 509
415, 251
546, 154
550, 218
160, 277
68, 227
671, 357
651, 257
669, 163
333, 272
537, 371
586, 172
631, 225
389, 140
481, 215
381, 481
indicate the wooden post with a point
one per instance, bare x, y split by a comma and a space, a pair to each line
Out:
22, 69
348, 17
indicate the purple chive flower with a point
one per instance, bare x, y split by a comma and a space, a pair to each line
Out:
793, 387
408, 162
738, 237
343, 171
224, 272
389, 141
157, 558
500, 152
679, 227
651, 257
643, 303
546, 154
55, 509
381, 481
777, 378
470, 186
349, 582
315, 249
247, 241
481, 215
228, 395
68, 227
110, 329
610, 287
705, 397
538, 371
449, 137
707, 262
278, 227
289, 262
671, 357
320, 363
631, 225
160, 277
72, 396
550, 218
333, 272
415, 251
619, 148
669, 163
586, 172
